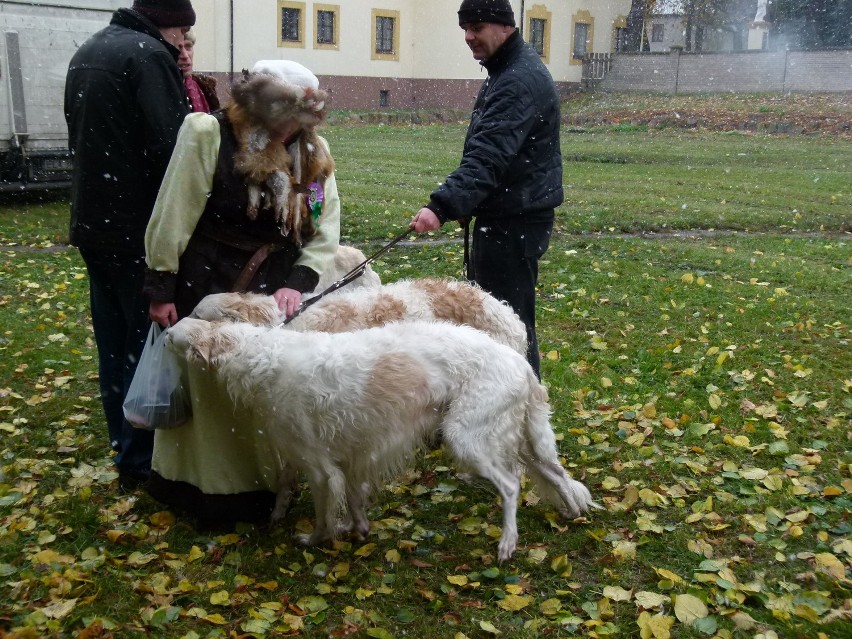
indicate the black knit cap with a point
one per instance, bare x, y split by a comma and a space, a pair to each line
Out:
496, 11
166, 13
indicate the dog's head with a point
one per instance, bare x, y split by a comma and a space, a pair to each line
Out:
199, 341
260, 310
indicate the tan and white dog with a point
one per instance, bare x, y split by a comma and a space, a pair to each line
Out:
346, 259
349, 410
367, 307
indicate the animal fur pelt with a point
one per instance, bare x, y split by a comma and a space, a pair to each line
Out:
278, 179
349, 410
347, 310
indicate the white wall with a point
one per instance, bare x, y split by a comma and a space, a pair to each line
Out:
431, 43
49, 33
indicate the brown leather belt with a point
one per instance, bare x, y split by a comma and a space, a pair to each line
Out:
245, 277
260, 252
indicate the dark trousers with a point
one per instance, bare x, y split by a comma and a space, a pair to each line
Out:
504, 259
120, 320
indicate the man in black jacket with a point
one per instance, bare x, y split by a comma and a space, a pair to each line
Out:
510, 176
124, 104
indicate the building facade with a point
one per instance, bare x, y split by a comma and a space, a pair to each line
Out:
395, 54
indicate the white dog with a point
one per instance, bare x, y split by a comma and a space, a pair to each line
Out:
348, 310
367, 307
345, 260
350, 409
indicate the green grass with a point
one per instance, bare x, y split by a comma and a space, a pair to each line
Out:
700, 384
618, 181
34, 219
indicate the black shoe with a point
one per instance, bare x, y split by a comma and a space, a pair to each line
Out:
129, 480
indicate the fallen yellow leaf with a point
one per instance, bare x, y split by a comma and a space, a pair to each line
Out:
688, 608
513, 603
829, 564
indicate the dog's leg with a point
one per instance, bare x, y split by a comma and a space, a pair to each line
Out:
356, 501
538, 452
572, 498
319, 494
487, 464
328, 486
508, 484
288, 486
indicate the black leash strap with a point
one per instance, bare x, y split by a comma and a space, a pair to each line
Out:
352, 275
466, 259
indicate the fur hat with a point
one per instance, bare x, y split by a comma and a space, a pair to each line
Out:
166, 13
496, 11
276, 92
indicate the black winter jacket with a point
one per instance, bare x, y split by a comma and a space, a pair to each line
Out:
512, 163
124, 104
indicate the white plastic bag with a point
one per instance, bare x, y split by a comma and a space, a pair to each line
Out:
158, 396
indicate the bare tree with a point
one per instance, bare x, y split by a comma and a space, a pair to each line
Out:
812, 24
640, 12
700, 16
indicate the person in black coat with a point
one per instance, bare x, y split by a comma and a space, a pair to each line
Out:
510, 176
124, 105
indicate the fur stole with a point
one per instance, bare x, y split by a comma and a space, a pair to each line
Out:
283, 179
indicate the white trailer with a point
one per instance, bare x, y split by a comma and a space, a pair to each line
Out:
37, 40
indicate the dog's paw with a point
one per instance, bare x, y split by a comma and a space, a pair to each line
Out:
505, 553
283, 501
349, 528
279, 513
506, 547
314, 539
305, 540
362, 530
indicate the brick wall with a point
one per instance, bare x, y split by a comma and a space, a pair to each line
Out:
739, 72
819, 71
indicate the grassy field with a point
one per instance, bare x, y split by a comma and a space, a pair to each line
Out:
694, 318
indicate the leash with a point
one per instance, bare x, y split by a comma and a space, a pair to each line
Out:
465, 223
352, 275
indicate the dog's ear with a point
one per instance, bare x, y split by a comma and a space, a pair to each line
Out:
211, 344
211, 307
258, 310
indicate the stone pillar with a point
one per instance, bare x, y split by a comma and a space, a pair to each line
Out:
758, 35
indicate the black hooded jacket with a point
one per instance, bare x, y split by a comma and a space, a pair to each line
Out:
512, 163
124, 104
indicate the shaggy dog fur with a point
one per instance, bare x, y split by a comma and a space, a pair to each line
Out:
424, 299
345, 260
349, 310
349, 427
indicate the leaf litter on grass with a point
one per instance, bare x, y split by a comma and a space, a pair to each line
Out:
700, 388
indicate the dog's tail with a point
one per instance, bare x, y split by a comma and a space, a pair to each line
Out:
538, 453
